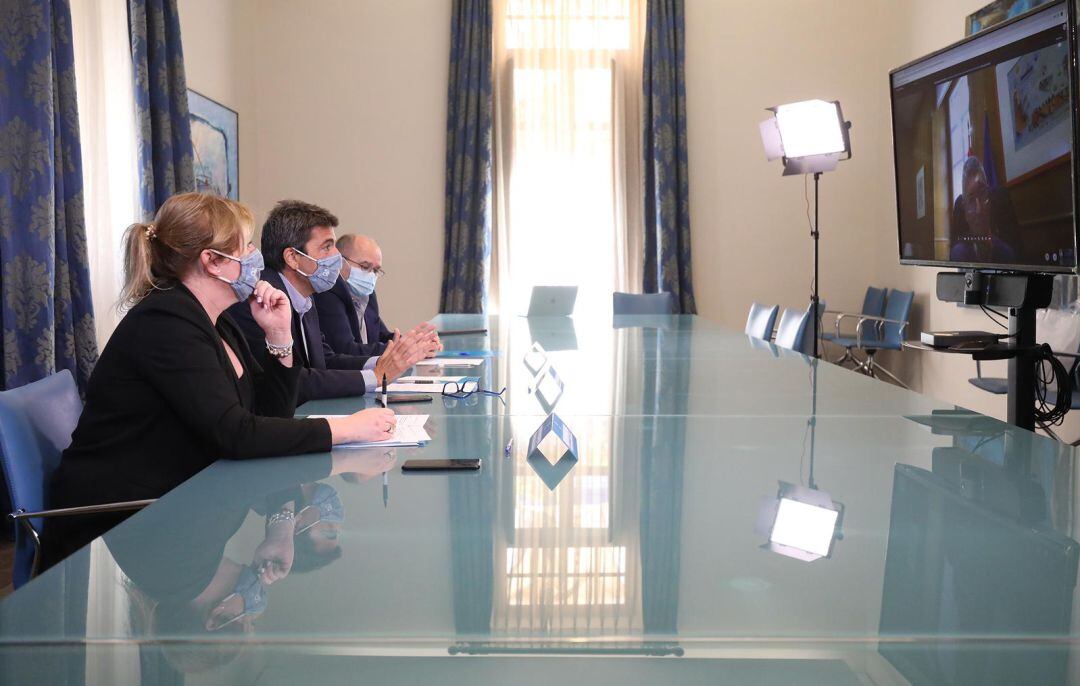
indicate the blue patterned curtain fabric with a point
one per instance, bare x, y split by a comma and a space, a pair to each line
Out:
667, 186
467, 249
45, 305
161, 105
663, 446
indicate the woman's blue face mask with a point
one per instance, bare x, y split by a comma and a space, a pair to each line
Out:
251, 266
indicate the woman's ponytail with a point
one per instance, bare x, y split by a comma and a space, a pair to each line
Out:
138, 264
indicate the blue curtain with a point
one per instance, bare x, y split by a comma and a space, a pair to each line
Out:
45, 304
667, 189
663, 444
467, 250
165, 157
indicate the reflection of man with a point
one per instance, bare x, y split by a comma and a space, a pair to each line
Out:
984, 221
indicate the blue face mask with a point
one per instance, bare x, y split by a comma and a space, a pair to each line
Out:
328, 502
361, 282
251, 266
250, 589
326, 271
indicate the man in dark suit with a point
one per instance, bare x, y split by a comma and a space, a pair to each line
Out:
301, 260
349, 312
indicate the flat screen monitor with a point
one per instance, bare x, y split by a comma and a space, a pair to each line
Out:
983, 140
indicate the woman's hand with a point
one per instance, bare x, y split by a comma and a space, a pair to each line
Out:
360, 465
274, 557
272, 312
376, 424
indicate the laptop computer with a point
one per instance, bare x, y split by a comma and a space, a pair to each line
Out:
552, 301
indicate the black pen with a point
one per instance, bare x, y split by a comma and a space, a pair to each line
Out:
385, 402
385, 488
421, 381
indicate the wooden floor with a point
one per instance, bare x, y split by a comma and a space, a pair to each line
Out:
7, 559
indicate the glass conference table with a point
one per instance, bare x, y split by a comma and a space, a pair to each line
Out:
662, 554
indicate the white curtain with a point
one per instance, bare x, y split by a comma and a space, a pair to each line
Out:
107, 128
568, 171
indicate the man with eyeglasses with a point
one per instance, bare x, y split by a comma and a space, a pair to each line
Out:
349, 312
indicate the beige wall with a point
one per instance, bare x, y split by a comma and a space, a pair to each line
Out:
219, 63
750, 230
341, 103
352, 115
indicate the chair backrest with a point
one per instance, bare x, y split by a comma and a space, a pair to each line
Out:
792, 328
761, 321
36, 422
806, 343
873, 303
643, 303
898, 308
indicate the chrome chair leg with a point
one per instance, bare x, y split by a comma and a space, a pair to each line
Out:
848, 357
875, 367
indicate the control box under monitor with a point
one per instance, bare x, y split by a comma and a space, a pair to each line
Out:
984, 139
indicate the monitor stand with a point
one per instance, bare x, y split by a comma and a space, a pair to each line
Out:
1023, 294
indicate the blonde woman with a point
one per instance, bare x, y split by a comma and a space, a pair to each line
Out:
177, 387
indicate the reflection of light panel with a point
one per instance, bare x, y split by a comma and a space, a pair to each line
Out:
811, 127
806, 527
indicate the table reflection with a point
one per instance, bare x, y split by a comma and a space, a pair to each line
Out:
975, 553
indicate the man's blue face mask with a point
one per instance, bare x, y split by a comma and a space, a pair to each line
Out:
249, 588
326, 271
362, 282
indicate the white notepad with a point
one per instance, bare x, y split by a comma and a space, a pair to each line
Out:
408, 433
430, 384
451, 362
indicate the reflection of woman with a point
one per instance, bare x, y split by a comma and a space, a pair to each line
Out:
177, 387
183, 584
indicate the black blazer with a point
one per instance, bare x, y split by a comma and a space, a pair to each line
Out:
325, 374
341, 326
163, 403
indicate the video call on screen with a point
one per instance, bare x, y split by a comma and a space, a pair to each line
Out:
984, 157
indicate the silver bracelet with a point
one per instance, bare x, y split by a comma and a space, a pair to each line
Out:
278, 517
279, 351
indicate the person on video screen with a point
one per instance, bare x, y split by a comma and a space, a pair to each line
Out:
984, 222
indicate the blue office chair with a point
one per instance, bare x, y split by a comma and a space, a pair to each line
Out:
761, 321
643, 303
791, 331
883, 333
990, 384
36, 422
873, 306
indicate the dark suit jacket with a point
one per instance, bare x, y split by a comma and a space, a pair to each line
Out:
162, 404
325, 374
341, 326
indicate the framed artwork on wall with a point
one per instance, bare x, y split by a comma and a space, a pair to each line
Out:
215, 144
997, 12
